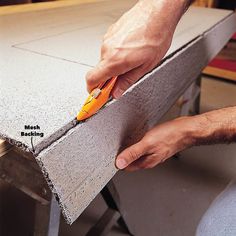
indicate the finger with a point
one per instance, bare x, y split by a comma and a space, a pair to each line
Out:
138, 164
145, 162
126, 80
97, 75
130, 155
104, 71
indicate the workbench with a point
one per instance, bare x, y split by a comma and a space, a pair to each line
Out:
45, 57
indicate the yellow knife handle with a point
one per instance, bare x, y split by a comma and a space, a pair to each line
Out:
94, 103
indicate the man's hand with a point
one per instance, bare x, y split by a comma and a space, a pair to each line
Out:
136, 43
159, 144
165, 140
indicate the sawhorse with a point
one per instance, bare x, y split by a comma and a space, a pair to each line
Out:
22, 172
189, 102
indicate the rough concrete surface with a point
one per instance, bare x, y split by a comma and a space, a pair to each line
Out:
42, 83
44, 61
172, 203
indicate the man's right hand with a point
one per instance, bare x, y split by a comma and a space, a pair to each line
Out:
136, 43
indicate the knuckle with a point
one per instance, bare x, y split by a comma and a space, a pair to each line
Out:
108, 34
148, 142
146, 165
150, 165
90, 79
104, 48
132, 155
89, 76
132, 61
141, 166
111, 65
107, 45
111, 27
127, 60
115, 56
114, 64
104, 38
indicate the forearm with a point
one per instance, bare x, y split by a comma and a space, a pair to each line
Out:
213, 127
169, 5
165, 140
146, 29
136, 43
163, 12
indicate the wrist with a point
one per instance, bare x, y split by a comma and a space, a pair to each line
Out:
206, 129
195, 129
176, 7
201, 129
213, 127
162, 16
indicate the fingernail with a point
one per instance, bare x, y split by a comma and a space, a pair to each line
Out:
117, 93
121, 164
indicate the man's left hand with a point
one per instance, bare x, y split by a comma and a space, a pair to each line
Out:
159, 144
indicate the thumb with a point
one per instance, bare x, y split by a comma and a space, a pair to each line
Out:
130, 155
105, 70
97, 75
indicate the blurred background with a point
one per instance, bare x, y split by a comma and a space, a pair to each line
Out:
227, 4
12, 2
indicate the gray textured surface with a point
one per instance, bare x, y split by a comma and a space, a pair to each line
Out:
175, 198
49, 89
43, 62
91, 162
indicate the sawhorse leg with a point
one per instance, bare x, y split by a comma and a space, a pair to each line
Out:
190, 104
191, 99
47, 219
23, 173
112, 214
